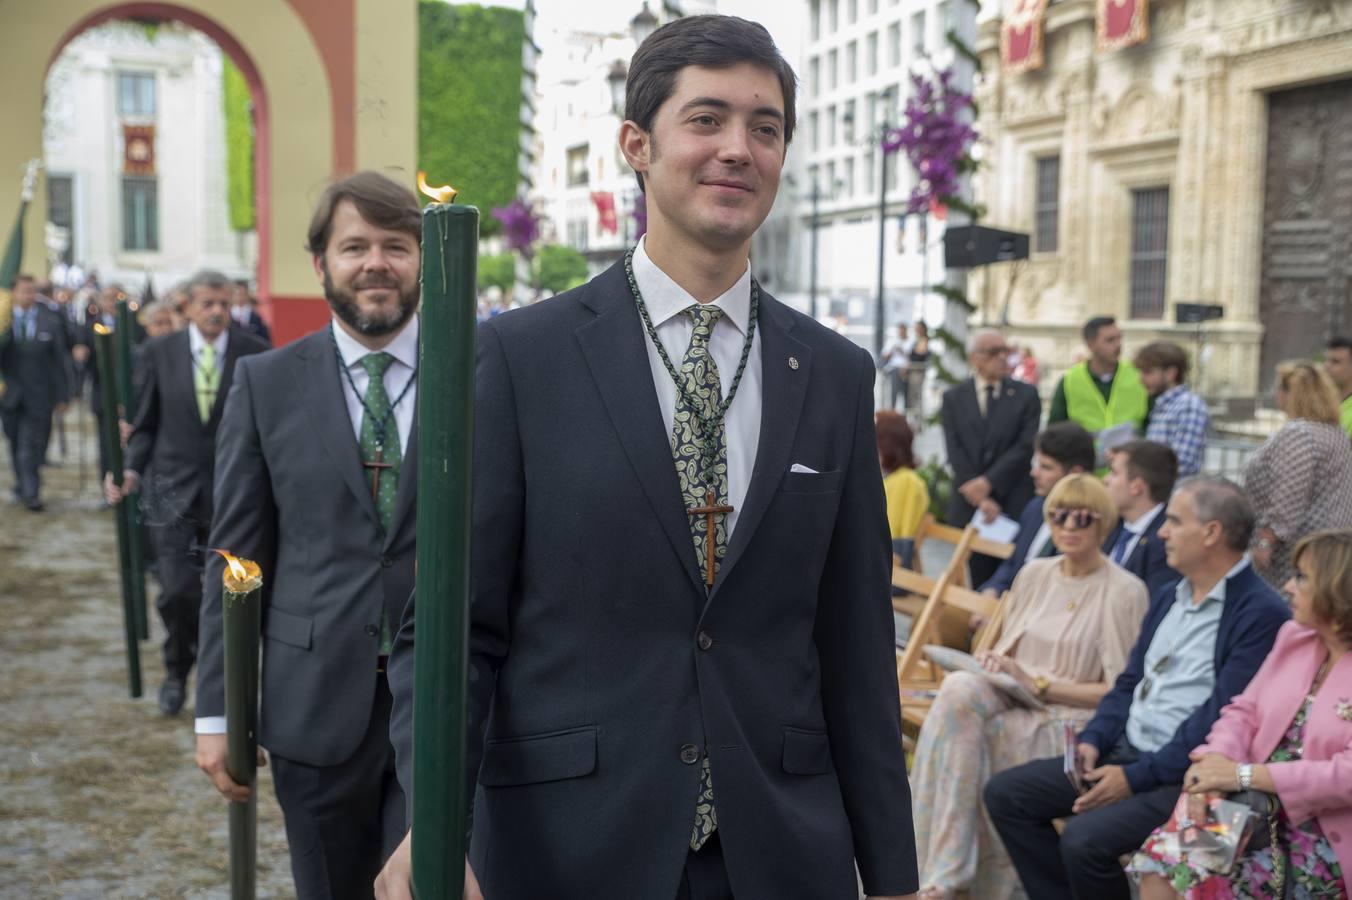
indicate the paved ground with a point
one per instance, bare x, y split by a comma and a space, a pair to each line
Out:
101, 797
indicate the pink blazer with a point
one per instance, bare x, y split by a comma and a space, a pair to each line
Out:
1319, 785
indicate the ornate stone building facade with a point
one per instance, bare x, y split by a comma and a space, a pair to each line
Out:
1211, 164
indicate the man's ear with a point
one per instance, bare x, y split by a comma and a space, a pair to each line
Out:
318, 262
636, 145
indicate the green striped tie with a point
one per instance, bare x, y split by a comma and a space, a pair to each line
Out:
381, 459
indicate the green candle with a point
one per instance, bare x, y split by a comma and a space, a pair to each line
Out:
131, 506
105, 360
450, 246
242, 613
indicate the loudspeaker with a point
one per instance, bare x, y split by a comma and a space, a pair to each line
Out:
968, 246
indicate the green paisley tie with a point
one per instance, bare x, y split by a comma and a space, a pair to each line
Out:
699, 383
375, 421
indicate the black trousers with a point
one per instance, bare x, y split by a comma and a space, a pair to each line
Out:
28, 436
705, 876
343, 821
1084, 861
178, 549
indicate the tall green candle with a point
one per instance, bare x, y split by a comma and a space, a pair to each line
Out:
450, 246
241, 610
131, 506
105, 360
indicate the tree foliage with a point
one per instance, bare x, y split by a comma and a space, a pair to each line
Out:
498, 270
559, 268
239, 147
469, 102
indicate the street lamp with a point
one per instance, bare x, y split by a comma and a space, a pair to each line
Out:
878, 316
617, 78
643, 24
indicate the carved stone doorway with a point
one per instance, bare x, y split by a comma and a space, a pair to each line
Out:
1307, 224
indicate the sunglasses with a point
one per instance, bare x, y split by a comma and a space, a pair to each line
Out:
1072, 519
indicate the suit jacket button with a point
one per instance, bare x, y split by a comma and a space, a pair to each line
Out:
386, 562
372, 630
704, 641
689, 754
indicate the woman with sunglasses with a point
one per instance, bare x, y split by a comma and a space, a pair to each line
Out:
1289, 734
1069, 625
1300, 479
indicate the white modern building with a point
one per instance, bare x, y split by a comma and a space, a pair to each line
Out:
855, 75
135, 156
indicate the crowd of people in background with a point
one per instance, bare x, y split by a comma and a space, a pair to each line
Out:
1141, 608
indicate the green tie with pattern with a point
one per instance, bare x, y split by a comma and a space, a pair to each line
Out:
702, 470
380, 433
206, 379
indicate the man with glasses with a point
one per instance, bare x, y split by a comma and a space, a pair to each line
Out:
990, 423
1202, 640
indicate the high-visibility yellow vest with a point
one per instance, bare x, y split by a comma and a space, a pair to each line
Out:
1127, 400
1346, 415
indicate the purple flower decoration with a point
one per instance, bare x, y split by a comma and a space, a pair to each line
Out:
520, 225
933, 139
640, 214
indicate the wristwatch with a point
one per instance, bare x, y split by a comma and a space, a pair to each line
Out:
1041, 683
1244, 774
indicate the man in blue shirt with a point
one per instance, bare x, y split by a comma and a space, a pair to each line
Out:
1203, 638
1179, 418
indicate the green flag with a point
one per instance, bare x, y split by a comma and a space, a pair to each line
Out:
13, 258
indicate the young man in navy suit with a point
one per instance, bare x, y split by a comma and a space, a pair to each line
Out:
683, 680
1140, 480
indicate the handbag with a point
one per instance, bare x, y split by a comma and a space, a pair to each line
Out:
1266, 832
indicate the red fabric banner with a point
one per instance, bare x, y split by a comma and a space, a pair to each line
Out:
138, 149
1121, 23
605, 211
1021, 46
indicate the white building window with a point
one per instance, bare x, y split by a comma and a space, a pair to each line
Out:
830, 126
814, 131
834, 8
872, 7
849, 177
140, 214
577, 165
851, 62
871, 54
832, 70
853, 14
870, 172
577, 234
918, 41
136, 95
815, 19
848, 121
894, 44
814, 76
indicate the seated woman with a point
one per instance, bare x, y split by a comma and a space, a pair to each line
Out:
1070, 622
1301, 731
907, 496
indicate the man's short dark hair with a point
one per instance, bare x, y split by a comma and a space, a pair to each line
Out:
381, 200
1163, 355
1339, 342
1095, 325
1069, 444
712, 41
1154, 463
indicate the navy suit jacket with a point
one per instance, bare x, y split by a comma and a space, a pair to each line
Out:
1252, 614
601, 668
1148, 560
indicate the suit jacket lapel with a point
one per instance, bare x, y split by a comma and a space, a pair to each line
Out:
615, 347
227, 375
327, 408
408, 483
782, 391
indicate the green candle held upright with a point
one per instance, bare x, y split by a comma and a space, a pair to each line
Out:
131, 505
241, 608
450, 246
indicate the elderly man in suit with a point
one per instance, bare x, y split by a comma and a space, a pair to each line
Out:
37, 383
315, 480
683, 673
990, 423
171, 456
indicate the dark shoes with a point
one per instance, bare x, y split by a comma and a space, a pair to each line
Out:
171, 696
34, 505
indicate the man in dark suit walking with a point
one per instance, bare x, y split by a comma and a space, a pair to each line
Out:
683, 675
245, 315
171, 459
990, 422
315, 480
35, 362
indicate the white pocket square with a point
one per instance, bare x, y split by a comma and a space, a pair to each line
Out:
803, 470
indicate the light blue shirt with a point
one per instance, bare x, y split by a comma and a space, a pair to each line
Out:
1180, 665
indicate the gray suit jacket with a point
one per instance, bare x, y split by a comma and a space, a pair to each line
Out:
601, 667
291, 494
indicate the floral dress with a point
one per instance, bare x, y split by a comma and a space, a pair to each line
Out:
1312, 868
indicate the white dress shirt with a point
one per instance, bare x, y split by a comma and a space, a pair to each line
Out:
665, 300
404, 349
197, 343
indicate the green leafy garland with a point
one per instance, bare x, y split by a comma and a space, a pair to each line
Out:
239, 147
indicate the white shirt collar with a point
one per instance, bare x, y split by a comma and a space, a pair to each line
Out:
665, 298
196, 341
404, 347
1137, 526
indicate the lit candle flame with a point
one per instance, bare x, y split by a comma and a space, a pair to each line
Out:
237, 570
100, 328
443, 194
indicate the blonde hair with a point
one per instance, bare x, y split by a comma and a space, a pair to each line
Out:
1310, 393
1083, 491
1329, 555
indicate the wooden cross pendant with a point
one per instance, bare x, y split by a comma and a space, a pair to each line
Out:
376, 465
709, 510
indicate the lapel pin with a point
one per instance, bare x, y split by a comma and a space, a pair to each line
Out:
793, 363
1344, 709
